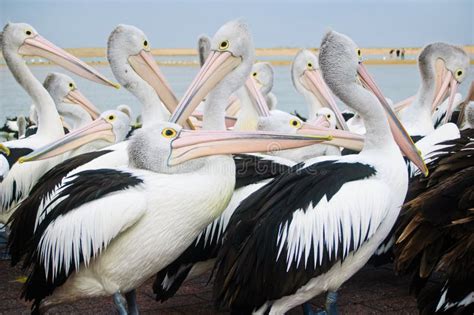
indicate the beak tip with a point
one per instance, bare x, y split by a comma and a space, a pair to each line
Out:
5, 150
115, 85
22, 160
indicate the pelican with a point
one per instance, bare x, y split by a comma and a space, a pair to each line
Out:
129, 53
307, 80
125, 43
466, 115
67, 97
112, 126
241, 112
262, 73
19, 39
11, 128
161, 201
252, 172
435, 230
309, 230
442, 67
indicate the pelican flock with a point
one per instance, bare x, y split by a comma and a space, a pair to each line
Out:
276, 207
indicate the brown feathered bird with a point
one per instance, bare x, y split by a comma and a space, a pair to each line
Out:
436, 231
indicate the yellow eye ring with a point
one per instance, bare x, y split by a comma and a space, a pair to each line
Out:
254, 74
310, 66
224, 45
111, 117
328, 116
295, 123
458, 73
28, 32
71, 85
359, 52
168, 133
145, 43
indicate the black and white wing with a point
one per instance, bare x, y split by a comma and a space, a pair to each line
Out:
92, 208
295, 228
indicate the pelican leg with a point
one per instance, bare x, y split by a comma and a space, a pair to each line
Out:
120, 303
330, 306
331, 303
308, 310
3, 243
132, 302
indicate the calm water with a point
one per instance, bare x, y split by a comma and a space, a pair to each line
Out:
396, 81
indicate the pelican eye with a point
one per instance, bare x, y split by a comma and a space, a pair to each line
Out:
111, 118
168, 133
359, 53
254, 74
71, 85
328, 116
458, 73
310, 66
224, 45
28, 32
145, 43
295, 123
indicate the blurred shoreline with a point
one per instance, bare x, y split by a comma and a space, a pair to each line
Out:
275, 56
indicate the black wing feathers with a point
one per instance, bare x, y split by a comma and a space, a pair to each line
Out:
248, 272
23, 220
250, 169
84, 187
435, 231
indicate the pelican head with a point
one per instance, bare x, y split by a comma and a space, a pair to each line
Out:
63, 89
451, 65
112, 126
127, 110
168, 148
341, 67
262, 73
466, 117
308, 81
280, 121
21, 39
321, 126
131, 61
328, 115
228, 65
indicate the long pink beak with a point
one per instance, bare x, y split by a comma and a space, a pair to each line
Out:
192, 144
339, 138
98, 129
452, 87
145, 66
400, 135
314, 82
403, 104
39, 46
76, 97
258, 100
216, 67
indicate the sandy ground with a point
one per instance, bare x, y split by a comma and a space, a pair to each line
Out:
371, 291
94, 52
372, 55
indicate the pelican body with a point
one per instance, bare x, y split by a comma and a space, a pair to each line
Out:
309, 230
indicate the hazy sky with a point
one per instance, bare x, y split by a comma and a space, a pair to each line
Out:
375, 23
